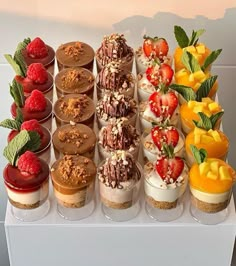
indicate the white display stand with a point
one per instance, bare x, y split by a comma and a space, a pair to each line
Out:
139, 242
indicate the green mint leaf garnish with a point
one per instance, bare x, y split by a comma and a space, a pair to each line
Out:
187, 92
204, 122
211, 58
17, 93
190, 62
14, 148
181, 37
199, 155
34, 143
11, 124
205, 88
168, 150
19, 115
22, 45
195, 35
214, 118
14, 65
18, 57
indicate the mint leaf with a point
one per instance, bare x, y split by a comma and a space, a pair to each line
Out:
34, 142
181, 36
187, 92
19, 115
195, 35
204, 122
190, 62
14, 148
17, 93
11, 124
14, 64
199, 155
211, 58
205, 88
214, 118
22, 45
18, 57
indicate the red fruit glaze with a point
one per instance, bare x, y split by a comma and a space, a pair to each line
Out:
169, 169
37, 48
29, 164
37, 73
36, 101
165, 135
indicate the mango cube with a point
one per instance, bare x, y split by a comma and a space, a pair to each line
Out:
196, 86
201, 49
198, 109
197, 139
181, 73
191, 104
206, 139
215, 167
224, 173
213, 107
191, 77
207, 100
204, 168
199, 75
191, 49
199, 131
215, 134
211, 175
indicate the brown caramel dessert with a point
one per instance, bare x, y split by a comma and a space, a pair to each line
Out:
73, 180
74, 139
75, 80
75, 54
78, 108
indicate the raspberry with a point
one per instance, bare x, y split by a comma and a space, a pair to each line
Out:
37, 48
37, 73
36, 101
32, 125
11, 135
29, 163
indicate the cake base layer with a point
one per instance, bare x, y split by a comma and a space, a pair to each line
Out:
164, 205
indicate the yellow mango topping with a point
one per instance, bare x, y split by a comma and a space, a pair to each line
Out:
199, 131
181, 73
215, 134
191, 49
224, 173
206, 139
204, 168
201, 48
199, 75
191, 77
198, 109
211, 175
207, 100
214, 107
215, 167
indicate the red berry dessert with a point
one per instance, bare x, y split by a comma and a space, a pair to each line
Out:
153, 49
35, 106
114, 49
26, 176
36, 51
162, 107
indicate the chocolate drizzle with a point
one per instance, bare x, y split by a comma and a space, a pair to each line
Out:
113, 48
118, 168
115, 105
119, 135
111, 77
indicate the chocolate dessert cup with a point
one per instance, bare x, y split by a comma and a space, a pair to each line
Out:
74, 80
73, 179
75, 108
114, 49
75, 54
74, 139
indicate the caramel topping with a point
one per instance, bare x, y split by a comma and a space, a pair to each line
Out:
74, 51
72, 136
71, 77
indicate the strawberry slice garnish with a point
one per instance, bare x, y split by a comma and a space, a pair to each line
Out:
155, 47
164, 135
169, 167
162, 74
163, 103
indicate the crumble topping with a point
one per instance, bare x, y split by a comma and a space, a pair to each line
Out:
72, 136
75, 50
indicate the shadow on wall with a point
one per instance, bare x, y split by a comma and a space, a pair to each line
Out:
219, 32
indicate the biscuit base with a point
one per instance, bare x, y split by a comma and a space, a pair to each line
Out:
164, 205
116, 205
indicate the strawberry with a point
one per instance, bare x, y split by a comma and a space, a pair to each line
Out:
36, 102
29, 164
162, 74
163, 103
155, 47
37, 48
164, 135
168, 166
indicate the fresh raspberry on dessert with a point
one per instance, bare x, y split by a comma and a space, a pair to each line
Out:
11, 135
32, 125
37, 73
37, 48
36, 101
29, 163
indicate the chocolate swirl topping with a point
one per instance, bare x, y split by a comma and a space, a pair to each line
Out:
115, 105
118, 168
111, 77
113, 48
119, 135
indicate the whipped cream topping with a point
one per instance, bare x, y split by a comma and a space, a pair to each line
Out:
145, 84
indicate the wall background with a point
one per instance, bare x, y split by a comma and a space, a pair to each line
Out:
57, 23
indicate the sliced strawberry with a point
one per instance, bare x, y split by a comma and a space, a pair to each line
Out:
147, 47
155, 103
166, 73
155, 47
164, 135
161, 48
169, 169
162, 74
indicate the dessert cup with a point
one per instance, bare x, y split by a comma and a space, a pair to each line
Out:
164, 201
75, 108
210, 193
74, 81
74, 186
114, 79
75, 54
28, 195
44, 117
114, 106
151, 151
120, 193
114, 49
118, 135
74, 139
144, 87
